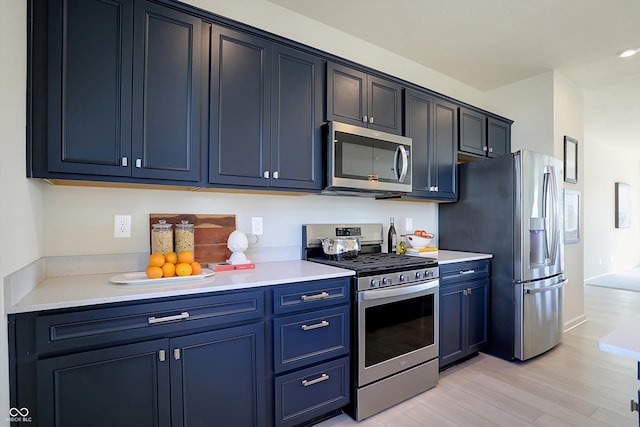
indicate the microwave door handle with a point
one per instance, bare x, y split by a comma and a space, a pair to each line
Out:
401, 151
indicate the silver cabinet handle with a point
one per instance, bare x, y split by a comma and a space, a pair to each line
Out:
371, 119
176, 353
181, 316
321, 378
491, 149
276, 175
484, 148
365, 119
265, 174
467, 272
124, 161
161, 355
316, 326
138, 163
321, 295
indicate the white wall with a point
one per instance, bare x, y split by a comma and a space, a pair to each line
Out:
21, 206
568, 120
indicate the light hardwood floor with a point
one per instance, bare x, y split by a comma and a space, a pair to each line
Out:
575, 384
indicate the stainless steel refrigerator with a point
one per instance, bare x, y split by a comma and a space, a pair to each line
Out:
511, 207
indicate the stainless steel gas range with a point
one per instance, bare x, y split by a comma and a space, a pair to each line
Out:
395, 317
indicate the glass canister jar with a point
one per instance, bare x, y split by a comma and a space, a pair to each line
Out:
184, 237
162, 237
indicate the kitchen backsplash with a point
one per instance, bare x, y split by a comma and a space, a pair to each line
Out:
80, 220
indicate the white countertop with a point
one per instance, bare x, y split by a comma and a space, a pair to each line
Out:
448, 257
623, 341
83, 290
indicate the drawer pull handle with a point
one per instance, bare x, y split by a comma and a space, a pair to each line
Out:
467, 271
183, 315
321, 378
316, 326
321, 295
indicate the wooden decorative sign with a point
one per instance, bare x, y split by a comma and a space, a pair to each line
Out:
210, 233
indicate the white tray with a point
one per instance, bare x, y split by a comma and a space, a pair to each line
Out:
140, 278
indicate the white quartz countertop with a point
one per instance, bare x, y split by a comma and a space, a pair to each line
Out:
84, 290
449, 257
622, 341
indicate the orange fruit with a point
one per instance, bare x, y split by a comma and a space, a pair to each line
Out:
156, 259
153, 272
185, 256
168, 269
183, 269
171, 257
196, 268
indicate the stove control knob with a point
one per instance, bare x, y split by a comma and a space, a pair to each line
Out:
387, 281
418, 275
428, 274
404, 277
375, 283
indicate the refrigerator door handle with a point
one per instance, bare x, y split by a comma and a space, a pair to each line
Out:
550, 212
528, 291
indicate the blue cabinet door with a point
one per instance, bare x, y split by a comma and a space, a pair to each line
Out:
240, 143
445, 154
498, 137
452, 324
296, 119
218, 378
473, 132
119, 386
167, 88
477, 315
89, 77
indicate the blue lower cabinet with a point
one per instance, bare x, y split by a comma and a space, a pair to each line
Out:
310, 338
309, 393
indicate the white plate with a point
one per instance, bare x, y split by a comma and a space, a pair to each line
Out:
140, 278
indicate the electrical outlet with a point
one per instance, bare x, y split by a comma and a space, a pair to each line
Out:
408, 225
122, 226
256, 225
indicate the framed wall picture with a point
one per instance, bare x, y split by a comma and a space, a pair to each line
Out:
571, 216
623, 205
570, 159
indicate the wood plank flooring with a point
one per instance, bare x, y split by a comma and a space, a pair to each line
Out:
574, 384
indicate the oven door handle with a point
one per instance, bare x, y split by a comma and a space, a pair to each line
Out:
398, 290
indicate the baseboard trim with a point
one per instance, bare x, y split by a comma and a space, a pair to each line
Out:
575, 322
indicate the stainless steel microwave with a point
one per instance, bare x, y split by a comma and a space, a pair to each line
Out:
361, 160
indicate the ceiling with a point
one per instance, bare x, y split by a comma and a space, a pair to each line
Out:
491, 43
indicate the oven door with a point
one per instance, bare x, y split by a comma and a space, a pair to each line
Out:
397, 329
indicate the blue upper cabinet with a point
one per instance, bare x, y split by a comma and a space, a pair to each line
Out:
89, 87
362, 99
482, 135
97, 125
266, 114
167, 82
432, 124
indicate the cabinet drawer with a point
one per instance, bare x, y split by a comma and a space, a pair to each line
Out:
103, 326
306, 394
310, 337
463, 271
311, 295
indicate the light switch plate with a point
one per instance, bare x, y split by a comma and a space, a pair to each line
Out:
257, 225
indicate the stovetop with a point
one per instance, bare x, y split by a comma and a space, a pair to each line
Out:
373, 263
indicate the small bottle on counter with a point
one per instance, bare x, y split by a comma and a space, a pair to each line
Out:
392, 238
162, 237
184, 237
